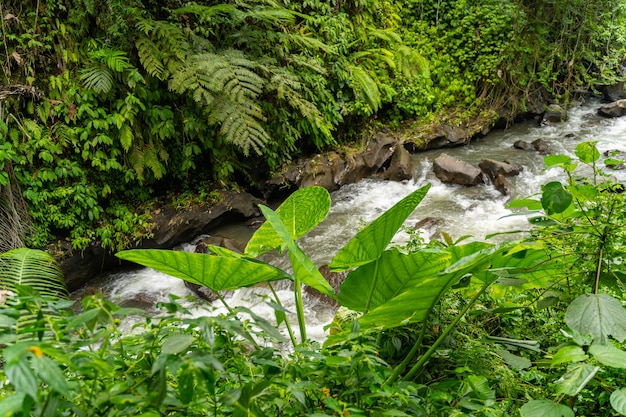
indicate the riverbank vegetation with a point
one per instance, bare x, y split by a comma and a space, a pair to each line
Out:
107, 105
533, 326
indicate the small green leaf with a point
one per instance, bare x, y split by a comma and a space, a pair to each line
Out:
618, 401
22, 378
177, 343
545, 408
556, 160
567, 354
609, 355
555, 198
587, 152
514, 361
12, 405
51, 374
576, 378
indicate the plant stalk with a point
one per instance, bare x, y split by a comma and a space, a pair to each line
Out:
426, 356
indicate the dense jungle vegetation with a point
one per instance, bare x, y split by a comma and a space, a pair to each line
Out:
105, 105
532, 327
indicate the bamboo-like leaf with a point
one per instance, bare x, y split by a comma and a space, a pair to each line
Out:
369, 243
304, 269
299, 213
215, 272
34, 268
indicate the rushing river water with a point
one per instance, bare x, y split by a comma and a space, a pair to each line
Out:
477, 211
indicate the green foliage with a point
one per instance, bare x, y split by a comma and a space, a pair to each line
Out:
31, 267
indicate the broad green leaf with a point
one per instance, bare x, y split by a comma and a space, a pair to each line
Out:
598, 315
545, 408
567, 354
529, 203
609, 355
373, 284
215, 272
414, 303
177, 343
300, 212
576, 378
555, 198
587, 152
368, 244
304, 269
618, 401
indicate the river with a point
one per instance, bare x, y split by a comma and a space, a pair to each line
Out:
475, 211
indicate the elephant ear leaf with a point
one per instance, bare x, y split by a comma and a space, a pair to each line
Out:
34, 268
299, 213
303, 268
369, 243
215, 272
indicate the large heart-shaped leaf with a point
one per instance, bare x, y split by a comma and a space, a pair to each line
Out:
609, 355
373, 284
299, 213
215, 272
304, 269
415, 303
598, 315
368, 244
576, 378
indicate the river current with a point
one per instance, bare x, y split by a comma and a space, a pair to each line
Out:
461, 211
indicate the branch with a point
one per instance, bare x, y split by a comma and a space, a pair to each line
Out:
8, 91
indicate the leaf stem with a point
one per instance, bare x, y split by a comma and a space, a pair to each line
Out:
426, 356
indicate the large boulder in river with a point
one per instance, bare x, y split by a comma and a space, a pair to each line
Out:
614, 109
401, 166
493, 168
452, 170
612, 92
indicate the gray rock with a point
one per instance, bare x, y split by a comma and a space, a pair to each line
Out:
494, 168
614, 109
452, 170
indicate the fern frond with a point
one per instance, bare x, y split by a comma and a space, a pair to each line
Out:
411, 62
151, 58
97, 78
206, 13
365, 87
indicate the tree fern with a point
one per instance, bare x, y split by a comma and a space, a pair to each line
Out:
227, 86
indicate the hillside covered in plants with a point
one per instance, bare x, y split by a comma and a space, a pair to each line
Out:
107, 105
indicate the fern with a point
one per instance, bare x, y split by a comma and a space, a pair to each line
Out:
98, 79
227, 86
162, 49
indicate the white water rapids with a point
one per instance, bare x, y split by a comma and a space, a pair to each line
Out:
477, 211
